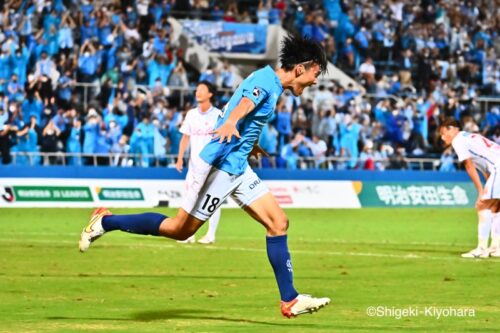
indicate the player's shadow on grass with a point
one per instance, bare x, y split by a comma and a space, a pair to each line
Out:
191, 314
147, 316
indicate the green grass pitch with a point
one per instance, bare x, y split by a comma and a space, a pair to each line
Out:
394, 258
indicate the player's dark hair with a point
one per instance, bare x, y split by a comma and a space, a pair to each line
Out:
450, 122
211, 88
297, 50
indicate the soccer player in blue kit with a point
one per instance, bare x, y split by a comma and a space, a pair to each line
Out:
227, 172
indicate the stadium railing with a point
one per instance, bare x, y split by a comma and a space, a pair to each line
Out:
168, 160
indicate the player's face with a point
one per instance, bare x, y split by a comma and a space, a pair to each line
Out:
202, 93
305, 78
448, 134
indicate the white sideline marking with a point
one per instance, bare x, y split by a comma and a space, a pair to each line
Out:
244, 249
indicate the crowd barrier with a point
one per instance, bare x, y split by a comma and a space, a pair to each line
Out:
69, 186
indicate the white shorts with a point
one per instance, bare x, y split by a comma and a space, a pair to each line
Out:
209, 187
492, 186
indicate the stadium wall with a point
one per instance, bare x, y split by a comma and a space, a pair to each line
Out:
65, 186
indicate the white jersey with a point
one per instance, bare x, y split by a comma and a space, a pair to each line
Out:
198, 126
484, 153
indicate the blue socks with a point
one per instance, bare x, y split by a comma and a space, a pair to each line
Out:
279, 257
144, 224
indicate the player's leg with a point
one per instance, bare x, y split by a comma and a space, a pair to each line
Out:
267, 211
495, 231
193, 185
492, 191
179, 227
213, 223
259, 203
485, 215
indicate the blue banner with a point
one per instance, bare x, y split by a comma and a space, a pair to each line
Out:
228, 37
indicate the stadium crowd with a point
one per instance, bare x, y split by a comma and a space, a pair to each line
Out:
418, 62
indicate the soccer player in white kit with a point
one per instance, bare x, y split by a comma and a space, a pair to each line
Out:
479, 153
196, 129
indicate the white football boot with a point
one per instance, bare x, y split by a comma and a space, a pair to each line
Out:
303, 304
206, 240
494, 251
478, 252
189, 240
94, 229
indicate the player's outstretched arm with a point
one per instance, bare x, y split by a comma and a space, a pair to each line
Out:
228, 129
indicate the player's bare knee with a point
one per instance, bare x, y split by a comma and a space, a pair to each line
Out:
279, 226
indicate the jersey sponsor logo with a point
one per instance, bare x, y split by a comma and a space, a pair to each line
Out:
202, 132
254, 184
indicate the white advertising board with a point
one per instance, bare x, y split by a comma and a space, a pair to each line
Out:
56, 192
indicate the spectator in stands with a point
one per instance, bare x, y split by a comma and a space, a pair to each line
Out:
174, 121
491, 121
50, 138
327, 131
263, 12
269, 139
227, 76
179, 76
19, 61
87, 62
283, 123
65, 87
318, 149
44, 66
367, 71
91, 130
349, 135
74, 142
15, 90
27, 142
142, 140
33, 106
447, 160
323, 99
289, 152
367, 157
397, 160
5, 71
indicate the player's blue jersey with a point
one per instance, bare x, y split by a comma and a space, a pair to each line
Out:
264, 88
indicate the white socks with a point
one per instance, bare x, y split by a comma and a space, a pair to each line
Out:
213, 223
484, 227
495, 230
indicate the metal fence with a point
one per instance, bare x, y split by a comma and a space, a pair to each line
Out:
150, 160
